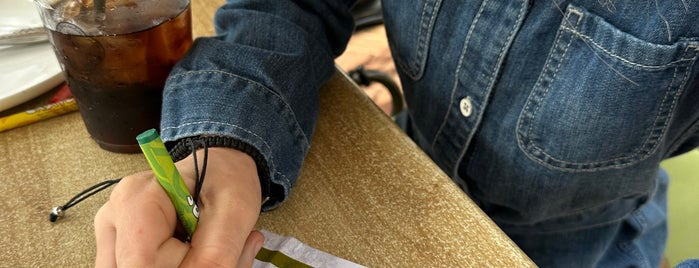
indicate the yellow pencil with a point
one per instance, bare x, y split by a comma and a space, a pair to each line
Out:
38, 114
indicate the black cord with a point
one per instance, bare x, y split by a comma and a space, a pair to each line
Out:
58, 211
364, 77
199, 177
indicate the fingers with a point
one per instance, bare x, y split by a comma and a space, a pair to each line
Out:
134, 228
252, 246
105, 235
222, 232
171, 253
229, 208
146, 220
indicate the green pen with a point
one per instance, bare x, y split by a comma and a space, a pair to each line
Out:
169, 178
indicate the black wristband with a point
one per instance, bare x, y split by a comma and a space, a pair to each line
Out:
184, 147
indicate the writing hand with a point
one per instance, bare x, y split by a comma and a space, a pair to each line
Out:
136, 227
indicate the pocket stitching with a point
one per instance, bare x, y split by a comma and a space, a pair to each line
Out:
643, 151
534, 100
637, 153
613, 55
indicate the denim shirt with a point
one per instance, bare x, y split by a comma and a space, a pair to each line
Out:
552, 116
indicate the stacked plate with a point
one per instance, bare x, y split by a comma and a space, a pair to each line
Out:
26, 71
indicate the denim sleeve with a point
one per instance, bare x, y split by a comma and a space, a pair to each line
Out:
257, 81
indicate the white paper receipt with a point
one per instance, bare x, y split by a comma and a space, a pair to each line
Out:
282, 251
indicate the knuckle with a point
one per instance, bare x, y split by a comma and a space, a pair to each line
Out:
102, 215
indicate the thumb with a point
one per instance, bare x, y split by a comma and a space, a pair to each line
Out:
252, 246
228, 210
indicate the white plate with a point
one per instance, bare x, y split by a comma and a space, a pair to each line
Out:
25, 71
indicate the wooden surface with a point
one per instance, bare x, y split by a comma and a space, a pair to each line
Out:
366, 193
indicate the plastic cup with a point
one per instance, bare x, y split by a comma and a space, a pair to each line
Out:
116, 55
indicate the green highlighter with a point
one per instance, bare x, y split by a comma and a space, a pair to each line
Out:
169, 178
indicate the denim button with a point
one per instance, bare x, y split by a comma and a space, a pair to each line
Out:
466, 107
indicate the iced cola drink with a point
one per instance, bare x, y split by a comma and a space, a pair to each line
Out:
116, 55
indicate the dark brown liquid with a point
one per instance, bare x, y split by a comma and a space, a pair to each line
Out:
118, 80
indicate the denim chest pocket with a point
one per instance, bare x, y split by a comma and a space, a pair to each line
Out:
410, 43
604, 97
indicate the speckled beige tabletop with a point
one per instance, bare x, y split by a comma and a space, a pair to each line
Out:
366, 192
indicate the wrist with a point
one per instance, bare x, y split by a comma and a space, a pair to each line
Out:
227, 172
183, 148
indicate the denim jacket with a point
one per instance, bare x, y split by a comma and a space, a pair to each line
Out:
553, 116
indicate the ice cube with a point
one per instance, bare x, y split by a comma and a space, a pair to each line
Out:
89, 4
70, 10
112, 4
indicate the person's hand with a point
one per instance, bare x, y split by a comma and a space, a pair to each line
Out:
136, 227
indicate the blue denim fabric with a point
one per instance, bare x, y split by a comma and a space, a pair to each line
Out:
692, 263
258, 79
552, 116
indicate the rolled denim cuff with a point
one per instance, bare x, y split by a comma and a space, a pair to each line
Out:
242, 110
